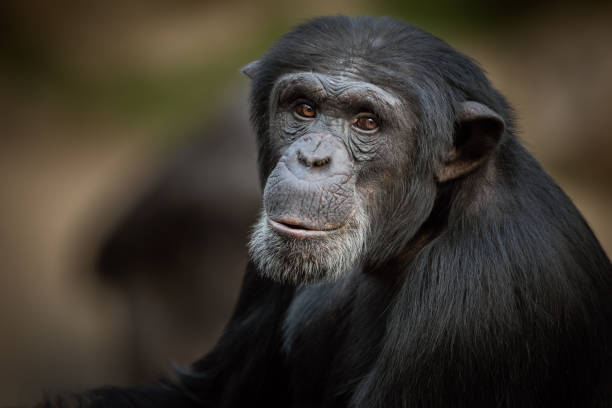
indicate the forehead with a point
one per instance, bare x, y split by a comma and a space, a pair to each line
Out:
340, 85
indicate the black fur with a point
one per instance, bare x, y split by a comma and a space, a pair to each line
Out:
502, 299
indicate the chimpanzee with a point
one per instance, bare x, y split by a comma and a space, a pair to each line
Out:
410, 252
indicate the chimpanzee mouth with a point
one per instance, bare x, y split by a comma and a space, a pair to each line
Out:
296, 229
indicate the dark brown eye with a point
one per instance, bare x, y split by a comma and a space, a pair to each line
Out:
366, 123
305, 110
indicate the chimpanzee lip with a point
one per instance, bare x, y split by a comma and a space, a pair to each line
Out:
297, 230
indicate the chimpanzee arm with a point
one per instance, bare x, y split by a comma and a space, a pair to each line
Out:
243, 369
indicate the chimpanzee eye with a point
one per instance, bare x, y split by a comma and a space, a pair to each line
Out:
305, 110
366, 123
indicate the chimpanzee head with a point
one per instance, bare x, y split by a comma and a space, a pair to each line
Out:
361, 123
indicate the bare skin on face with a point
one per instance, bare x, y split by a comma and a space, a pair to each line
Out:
328, 128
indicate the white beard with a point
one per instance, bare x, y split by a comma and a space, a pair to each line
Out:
311, 259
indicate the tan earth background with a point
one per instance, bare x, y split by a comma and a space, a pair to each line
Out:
127, 169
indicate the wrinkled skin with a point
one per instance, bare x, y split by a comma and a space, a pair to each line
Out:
312, 187
330, 174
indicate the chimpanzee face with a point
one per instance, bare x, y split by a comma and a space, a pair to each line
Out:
343, 146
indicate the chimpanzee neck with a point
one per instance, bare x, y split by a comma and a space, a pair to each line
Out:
327, 317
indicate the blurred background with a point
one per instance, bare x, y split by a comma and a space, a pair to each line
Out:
127, 166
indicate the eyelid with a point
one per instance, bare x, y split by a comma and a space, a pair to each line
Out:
367, 114
300, 100
303, 101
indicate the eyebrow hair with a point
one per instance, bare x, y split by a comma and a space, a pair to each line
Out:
354, 94
362, 98
295, 85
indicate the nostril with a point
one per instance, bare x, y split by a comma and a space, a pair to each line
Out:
302, 159
321, 162
313, 161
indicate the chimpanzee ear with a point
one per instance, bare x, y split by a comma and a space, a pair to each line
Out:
478, 131
251, 68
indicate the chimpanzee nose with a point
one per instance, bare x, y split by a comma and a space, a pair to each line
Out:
316, 156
